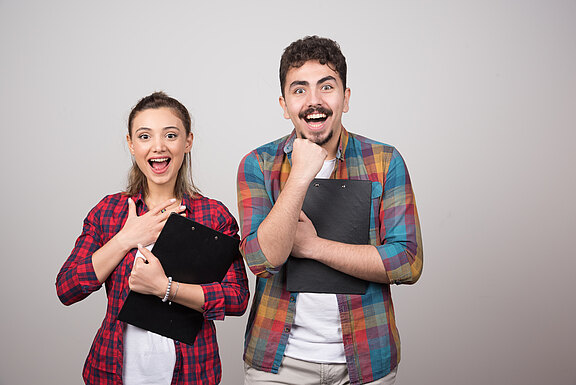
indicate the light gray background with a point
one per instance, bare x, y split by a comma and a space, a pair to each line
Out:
478, 96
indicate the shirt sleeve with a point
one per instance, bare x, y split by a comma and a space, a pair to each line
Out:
401, 241
229, 297
77, 279
254, 204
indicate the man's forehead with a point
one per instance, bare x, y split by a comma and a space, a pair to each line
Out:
311, 71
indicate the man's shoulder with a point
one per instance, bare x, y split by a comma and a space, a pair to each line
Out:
273, 146
269, 151
365, 143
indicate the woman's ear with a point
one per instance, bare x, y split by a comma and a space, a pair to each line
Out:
130, 144
189, 141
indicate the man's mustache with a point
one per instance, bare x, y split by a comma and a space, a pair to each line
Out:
312, 110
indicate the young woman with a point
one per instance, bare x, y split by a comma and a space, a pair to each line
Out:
114, 249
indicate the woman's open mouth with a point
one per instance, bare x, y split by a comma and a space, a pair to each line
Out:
159, 165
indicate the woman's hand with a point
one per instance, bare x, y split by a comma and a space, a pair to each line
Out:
148, 276
144, 229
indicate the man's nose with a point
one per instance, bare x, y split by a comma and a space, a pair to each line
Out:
314, 98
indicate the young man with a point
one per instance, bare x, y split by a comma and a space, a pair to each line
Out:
310, 338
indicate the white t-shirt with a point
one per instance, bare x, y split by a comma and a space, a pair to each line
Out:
316, 334
149, 358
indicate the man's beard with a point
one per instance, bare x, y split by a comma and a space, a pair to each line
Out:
320, 141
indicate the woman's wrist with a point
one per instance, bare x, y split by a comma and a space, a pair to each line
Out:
122, 243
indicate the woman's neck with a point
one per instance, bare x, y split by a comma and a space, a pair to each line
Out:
158, 194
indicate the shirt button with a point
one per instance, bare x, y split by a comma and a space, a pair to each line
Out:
292, 299
177, 342
286, 330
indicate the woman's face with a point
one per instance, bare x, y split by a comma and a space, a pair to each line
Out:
158, 143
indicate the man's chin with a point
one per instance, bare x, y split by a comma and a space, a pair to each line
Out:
320, 138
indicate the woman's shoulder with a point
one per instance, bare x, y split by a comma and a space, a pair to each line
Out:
112, 200
200, 201
211, 212
110, 204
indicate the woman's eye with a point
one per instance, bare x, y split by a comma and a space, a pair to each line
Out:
144, 136
171, 135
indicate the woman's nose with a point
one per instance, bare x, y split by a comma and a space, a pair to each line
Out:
159, 144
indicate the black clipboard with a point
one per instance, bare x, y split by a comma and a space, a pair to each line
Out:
340, 211
190, 253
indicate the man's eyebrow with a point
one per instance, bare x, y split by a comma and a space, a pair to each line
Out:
325, 79
305, 83
299, 83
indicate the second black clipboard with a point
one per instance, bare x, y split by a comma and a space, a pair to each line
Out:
340, 211
190, 253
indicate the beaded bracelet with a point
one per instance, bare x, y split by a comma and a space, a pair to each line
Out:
167, 290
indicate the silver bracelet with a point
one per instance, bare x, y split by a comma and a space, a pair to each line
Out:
175, 292
167, 290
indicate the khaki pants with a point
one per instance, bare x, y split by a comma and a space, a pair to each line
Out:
298, 372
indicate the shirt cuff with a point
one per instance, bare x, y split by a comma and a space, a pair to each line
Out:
87, 276
214, 302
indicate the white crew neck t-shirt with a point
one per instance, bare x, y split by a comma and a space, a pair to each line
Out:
149, 358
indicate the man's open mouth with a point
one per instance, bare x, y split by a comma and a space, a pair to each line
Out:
315, 116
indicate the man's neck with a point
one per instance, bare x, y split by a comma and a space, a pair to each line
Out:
332, 146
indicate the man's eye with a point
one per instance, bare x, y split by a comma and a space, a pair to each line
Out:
326, 87
299, 91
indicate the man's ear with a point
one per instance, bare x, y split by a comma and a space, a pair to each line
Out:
346, 100
283, 105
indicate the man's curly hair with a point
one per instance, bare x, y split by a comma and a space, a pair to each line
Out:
326, 51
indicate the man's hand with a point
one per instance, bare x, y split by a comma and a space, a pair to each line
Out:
305, 239
307, 159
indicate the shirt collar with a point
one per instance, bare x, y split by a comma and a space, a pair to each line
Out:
342, 143
139, 200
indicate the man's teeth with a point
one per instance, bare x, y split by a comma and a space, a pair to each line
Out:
160, 160
316, 116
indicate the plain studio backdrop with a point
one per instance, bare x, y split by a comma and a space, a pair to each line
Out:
478, 96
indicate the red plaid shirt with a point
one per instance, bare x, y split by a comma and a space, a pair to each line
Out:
195, 364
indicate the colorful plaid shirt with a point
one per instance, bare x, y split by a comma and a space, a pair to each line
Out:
195, 364
371, 342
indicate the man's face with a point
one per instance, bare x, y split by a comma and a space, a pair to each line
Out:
314, 100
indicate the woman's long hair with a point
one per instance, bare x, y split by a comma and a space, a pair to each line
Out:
136, 179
